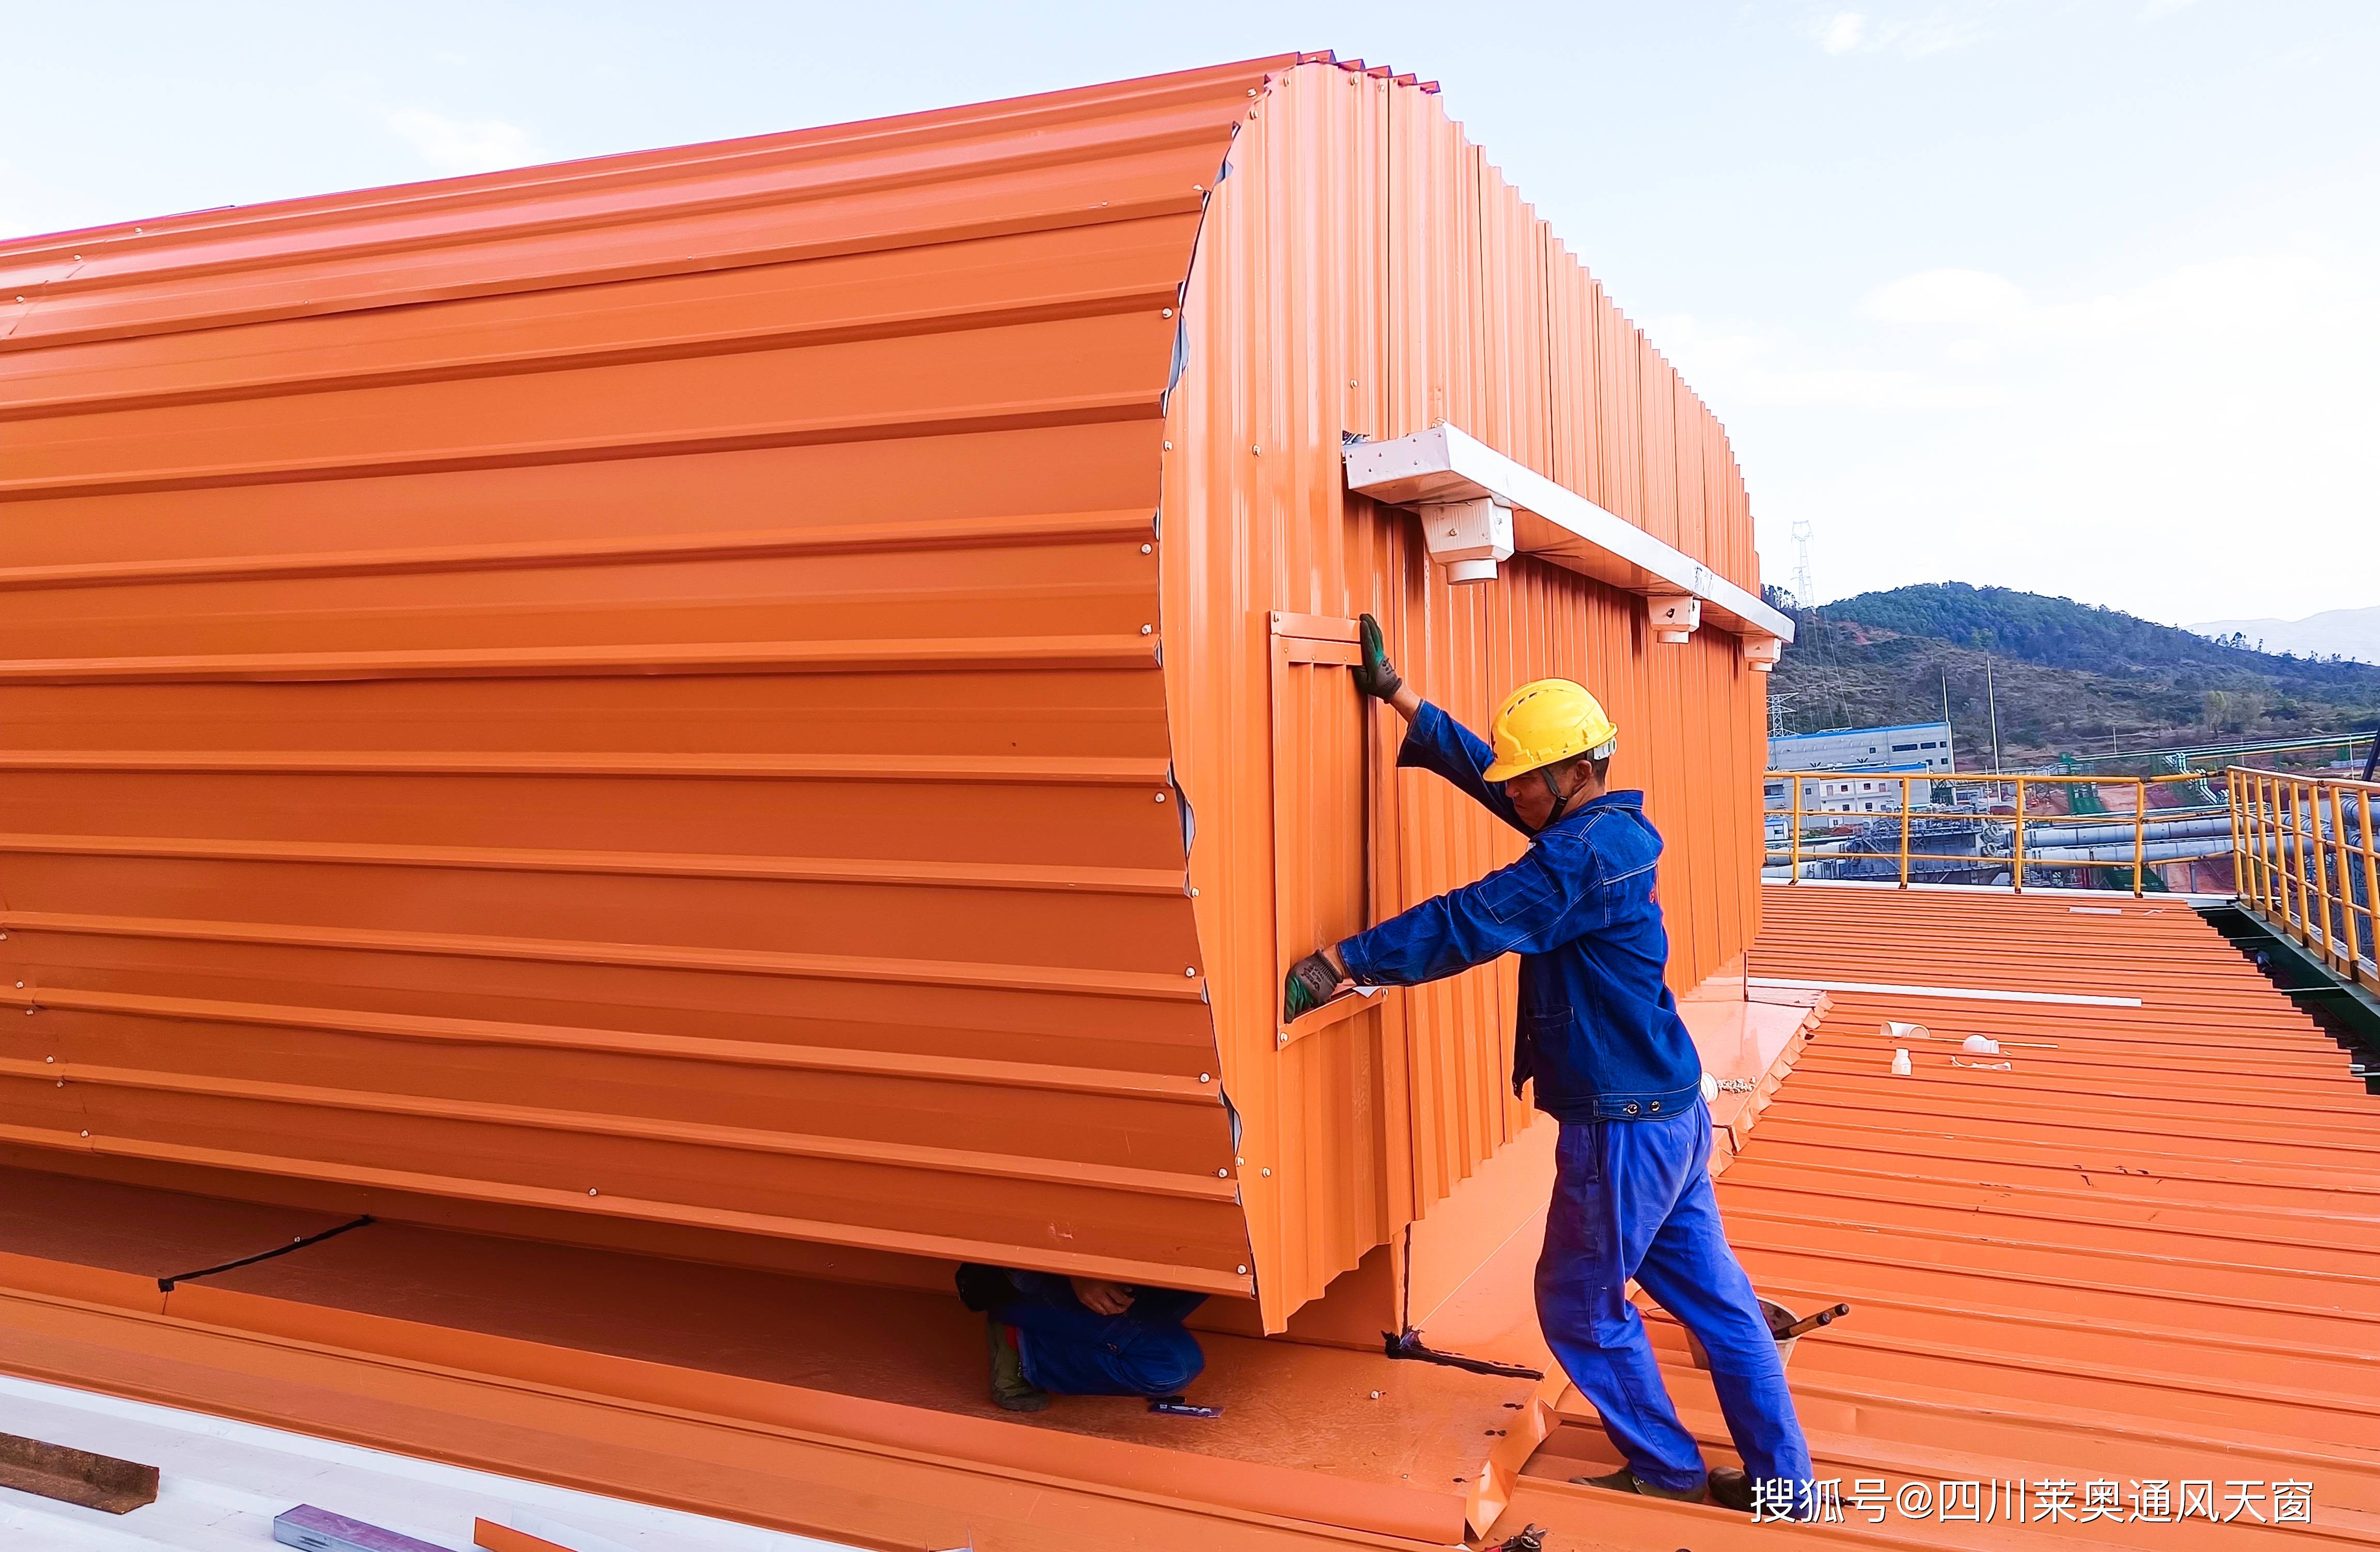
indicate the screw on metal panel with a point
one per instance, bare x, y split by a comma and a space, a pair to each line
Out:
1282, 1039
591, 1190
1222, 1174
1160, 797
86, 1132
1144, 630
1194, 892
1252, 90
49, 1058
1205, 1077
20, 985
1377, 1394
1197, 189
1241, 1162
1253, 448
1145, 549
29, 1013
1169, 446
1244, 1271
1165, 313
1267, 1172
1189, 970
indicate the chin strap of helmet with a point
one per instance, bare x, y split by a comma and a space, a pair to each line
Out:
1553, 790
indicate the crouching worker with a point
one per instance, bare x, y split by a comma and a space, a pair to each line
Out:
1599, 1032
1054, 1336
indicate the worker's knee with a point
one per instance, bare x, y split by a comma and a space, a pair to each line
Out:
1162, 1363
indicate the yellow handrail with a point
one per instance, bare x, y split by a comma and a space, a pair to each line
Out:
2019, 861
2300, 847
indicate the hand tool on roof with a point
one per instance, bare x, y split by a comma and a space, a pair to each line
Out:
1783, 1324
1180, 1406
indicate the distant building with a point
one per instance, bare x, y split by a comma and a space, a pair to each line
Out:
1872, 761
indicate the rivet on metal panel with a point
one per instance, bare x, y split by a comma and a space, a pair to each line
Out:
1165, 313
1253, 448
1194, 891
1160, 797
1266, 1172
49, 1058
1252, 90
20, 984
1145, 549
1205, 1077
1281, 1039
1169, 446
86, 1132
1244, 1271
591, 1190
1222, 1174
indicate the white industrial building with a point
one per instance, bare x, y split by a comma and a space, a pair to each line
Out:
1872, 761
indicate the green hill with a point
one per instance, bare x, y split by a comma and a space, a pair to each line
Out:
2069, 678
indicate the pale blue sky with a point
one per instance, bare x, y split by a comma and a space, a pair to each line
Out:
2078, 297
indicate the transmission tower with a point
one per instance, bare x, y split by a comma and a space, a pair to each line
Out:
1801, 593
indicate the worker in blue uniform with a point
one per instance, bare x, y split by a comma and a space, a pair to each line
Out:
1051, 1335
1600, 1035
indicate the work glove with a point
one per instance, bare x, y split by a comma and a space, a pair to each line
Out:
1375, 676
1311, 981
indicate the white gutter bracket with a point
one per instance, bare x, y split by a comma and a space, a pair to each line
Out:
1507, 509
1675, 616
1468, 537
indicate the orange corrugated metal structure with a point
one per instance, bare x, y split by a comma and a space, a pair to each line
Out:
788, 694
1364, 270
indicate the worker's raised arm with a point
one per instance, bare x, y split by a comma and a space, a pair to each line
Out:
1434, 741
1548, 897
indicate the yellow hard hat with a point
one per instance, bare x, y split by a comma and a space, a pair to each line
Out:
1544, 721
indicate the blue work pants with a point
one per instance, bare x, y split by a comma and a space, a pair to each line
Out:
1633, 1199
1071, 1350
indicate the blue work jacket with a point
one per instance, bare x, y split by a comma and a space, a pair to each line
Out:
1598, 1028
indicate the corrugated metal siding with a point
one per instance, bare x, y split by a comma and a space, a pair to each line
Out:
622, 688
1363, 268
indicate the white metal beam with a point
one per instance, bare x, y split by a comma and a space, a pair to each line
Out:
1445, 464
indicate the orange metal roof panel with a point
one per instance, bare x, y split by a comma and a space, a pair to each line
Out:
2148, 1249
629, 693
626, 692
1363, 269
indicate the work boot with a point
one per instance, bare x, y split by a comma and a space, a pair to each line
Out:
1730, 1488
1011, 1391
1626, 1481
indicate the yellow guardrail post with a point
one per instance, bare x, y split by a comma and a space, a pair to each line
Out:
2016, 877
1904, 832
2363, 805
1794, 875
2239, 827
2143, 791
